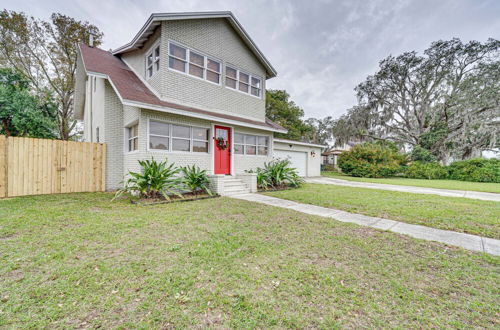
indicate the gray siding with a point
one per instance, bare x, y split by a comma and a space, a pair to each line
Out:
214, 38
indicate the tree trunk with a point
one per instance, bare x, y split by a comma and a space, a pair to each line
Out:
5, 123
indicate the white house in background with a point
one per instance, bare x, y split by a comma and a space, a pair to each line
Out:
189, 87
330, 157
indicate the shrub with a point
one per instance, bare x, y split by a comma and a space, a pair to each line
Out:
477, 169
156, 180
371, 160
328, 168
422, 155
429, 171
195, 179
278, 174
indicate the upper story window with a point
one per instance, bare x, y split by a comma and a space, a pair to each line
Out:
245, 144
188, 61
243, 82
133, 137
165, 136
153, 61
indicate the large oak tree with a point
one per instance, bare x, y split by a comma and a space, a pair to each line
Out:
446, 101
46, 52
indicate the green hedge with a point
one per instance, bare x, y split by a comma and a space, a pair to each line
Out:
477, 169
429, 171
371, 160
379, 160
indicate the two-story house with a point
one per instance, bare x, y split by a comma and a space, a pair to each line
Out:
189, 87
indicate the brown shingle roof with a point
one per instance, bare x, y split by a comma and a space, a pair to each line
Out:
131, 88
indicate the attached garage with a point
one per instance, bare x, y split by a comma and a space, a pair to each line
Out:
305, 157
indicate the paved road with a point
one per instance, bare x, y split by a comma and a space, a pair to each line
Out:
466, 241
410, 189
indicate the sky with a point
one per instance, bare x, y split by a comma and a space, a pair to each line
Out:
321, 49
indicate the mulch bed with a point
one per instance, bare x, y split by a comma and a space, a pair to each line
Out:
189, 197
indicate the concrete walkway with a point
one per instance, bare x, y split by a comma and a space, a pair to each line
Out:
466, 241
410, 189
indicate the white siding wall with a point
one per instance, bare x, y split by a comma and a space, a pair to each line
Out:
113, 137
203, 160
94, 109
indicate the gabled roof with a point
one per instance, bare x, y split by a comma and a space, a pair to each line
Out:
156, 18
132, 91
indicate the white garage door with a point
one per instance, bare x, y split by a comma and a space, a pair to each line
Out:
298, 159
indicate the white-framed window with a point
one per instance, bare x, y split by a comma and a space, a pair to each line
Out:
159, 135
245, 144
173, 137
243, 82
193, 63
153, 61
133, 137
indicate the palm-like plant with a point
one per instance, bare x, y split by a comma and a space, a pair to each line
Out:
156, 180
278, 173
195, 179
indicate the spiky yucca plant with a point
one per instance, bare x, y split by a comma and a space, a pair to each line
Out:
195, 179
278, 173
156, 180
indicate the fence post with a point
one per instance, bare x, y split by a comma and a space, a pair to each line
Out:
4, 149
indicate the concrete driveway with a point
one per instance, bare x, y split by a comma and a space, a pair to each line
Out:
409, 189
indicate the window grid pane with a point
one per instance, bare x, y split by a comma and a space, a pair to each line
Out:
231, 83
231, 73
178, 51
196, 59
181, 131
213, 65
176, 64
181, 144
213, 77
195, 71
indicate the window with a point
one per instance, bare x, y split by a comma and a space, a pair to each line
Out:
251, 144
181, 138
153, 61
243, 82
159, 135
198, 65
133, 137
164, 136
255, 86
200, 139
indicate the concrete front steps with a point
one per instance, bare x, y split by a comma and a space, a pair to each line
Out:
234, 186
230, 185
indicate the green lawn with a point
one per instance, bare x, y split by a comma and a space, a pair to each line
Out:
79, 261
451, 213
441, 184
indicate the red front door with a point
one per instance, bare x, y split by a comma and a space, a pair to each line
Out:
222, 150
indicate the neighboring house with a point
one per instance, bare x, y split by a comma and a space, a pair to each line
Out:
189, 87
330, 157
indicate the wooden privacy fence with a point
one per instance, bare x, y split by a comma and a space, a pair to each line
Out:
39, 166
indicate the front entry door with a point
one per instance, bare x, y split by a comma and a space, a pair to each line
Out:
222, 150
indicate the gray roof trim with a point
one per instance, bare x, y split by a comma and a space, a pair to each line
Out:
155, 19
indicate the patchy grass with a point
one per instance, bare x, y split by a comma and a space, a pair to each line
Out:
79, 261
451, 213
440, 184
